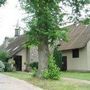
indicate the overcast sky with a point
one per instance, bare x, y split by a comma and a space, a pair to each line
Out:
9, 15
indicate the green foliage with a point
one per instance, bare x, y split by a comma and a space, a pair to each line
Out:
45, 74
45, 17
3, 56
44, 23
58, 57
9, 66
2, 2
2, 66
28, 68
86, 21
87, 1
34, 72
34, 65
31, 67
53, 71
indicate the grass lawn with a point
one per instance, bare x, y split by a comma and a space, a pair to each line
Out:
77, 75
50, 84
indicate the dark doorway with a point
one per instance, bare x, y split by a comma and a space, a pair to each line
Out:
18, 63
64, 63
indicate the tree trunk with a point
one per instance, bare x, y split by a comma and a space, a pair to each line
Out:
43, 52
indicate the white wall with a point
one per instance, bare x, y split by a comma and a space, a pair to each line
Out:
88, 54
33, 56
77, 64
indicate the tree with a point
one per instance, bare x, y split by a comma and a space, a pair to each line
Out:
2, 2
3, 56
44, 20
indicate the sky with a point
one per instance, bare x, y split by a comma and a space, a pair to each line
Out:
9, 15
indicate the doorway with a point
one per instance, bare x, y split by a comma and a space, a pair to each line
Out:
18, 63
64, 63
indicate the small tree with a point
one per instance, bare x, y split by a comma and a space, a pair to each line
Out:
53, 71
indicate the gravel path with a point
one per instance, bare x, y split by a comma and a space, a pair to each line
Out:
10, 83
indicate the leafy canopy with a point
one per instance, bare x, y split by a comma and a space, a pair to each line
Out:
46, 16
2, 2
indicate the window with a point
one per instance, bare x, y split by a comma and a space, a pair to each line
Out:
75, 53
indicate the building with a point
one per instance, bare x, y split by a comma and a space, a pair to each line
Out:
16, 48
22, 54
76, 52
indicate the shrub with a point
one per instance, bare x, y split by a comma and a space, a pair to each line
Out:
9, 66
2, 66
31, 67
53, 71
34, 68
3, 56
46, 74
34, 65
34, 72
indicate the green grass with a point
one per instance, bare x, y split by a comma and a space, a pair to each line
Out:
76, 75
50, 84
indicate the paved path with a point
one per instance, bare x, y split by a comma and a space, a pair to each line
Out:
10, 83
76, 80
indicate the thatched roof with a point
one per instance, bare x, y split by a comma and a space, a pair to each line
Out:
17, 45
78, 37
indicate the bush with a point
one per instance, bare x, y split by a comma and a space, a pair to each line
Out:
28, 69
2, 66
34, 72
53, 71
34, 68
34, 65
9, 66
3, 56
31, 67
46, 74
